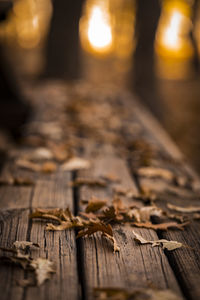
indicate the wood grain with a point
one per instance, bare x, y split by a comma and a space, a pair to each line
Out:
185, 262
134, 266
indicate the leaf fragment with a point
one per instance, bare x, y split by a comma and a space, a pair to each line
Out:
92, 182
95, 204
43, 269
25, 164
144, 214
65, 218
188, 209
48, 167
106, 231
76, 163
21, 181
153, 172
165, 244
24, 245
111, 177
129, 193
40, 153
113, 293
162, 226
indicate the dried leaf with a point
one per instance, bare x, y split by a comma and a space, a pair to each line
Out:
43, 269
89, 216
188, 209
48, 167
196, 216
40, 153
25, 282
65, 218
144, 214
165, 244
76, 163
22, 261
24, 245
152, 172
6, 181
25, 164
92, 182
16, 181
60, 152
22, 181
94, 227
111, 177
109, 293
95, 204
129, 193
162, 226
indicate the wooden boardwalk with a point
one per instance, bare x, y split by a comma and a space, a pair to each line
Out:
118, 137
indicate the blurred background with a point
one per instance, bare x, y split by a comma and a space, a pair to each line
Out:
150, 47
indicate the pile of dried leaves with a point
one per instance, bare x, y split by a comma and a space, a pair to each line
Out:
99, 216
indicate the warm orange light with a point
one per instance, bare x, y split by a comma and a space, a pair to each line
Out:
174, 27
173, 44
99, 29
171, 36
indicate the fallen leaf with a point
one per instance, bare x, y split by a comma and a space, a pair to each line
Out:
26, 282
129, 193
48, 167
22, 261
60, 152
188, 209
25, 164
43, 269
144, 214
75, 163
7, 180
116, 248
111, 177
22, 181
162, 226
165, 244
94, 227
113, 293
152, 172
95, 204
92, 182
196, 216
40, 153
65, 218
24, 245
10, 180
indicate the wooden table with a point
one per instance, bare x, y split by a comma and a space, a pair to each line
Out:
120, 138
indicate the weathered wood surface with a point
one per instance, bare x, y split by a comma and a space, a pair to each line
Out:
186, 263
133, 266
60, 247
89, 262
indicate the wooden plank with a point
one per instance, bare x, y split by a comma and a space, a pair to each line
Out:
134, 266
13, 226
50, 191
59, 247
185, 262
